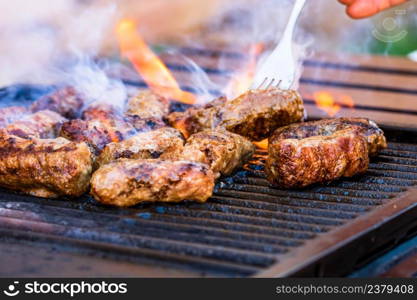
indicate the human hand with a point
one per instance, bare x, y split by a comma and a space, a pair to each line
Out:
358, 9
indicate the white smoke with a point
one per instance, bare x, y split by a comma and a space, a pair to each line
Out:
55, 42
242, 23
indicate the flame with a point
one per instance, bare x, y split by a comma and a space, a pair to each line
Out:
147, 63
181, 126
347, 100
262, 144
332, 103
326, 102
243, 80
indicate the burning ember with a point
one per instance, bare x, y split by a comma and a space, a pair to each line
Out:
331, 103
148, 64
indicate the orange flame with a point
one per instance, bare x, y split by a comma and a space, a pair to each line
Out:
262, 144
148, 64
332, 103
242, 81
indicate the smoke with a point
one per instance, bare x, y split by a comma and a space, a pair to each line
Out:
54, 42
239, 25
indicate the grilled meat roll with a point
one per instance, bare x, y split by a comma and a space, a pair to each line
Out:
102, 125
11, 114
96, 134
221, 150
255, 114
44, 167
148, 105
42, 124
65, 101
129, 182
294, 163
144, 124
164, 143
103, 112
365, 127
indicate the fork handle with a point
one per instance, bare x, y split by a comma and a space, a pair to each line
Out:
295, 13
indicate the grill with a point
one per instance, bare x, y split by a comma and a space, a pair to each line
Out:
246, 229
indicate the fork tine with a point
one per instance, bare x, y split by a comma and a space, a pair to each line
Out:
278, 84
270, 84
262, 84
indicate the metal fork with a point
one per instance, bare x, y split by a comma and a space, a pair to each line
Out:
279, 68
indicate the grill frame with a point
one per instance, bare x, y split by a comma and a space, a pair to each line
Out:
331, 255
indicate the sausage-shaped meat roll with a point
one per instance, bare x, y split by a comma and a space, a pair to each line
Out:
45, 167
147, 104
294, 163
365, 127
164, 143
255, 114
65, 101
129, 182
43, 124
223, 151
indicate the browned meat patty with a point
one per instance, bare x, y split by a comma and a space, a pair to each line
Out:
102, 111
44, 168
144, 124
164, 143
65, 101
42, 124
365, 127
147, 104
96, 134
294, 163
129, 182
182, 120
221, 150
255, 114
11, 114
321, 151
103, 124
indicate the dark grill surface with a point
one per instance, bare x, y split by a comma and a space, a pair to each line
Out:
246, 229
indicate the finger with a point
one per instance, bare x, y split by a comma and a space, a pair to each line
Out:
366, 8
397, 2
346, 2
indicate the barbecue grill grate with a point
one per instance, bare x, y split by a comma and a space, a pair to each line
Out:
246, 229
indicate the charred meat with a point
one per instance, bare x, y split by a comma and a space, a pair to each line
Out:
96, 134
129, 182
102, 111
221, 150
103, 124
322, 151
294, 163
44, 167
11, 114
43, 124
148, 105
164, 143
65, 101
255, 114
365, 127
144, 124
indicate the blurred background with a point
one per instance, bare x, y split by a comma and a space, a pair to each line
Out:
33, 35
